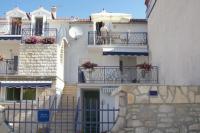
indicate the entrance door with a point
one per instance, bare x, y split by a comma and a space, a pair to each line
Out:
38, 26
16, 26
91, 111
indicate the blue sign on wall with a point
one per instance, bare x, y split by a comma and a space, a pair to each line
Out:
153, 93
43, 115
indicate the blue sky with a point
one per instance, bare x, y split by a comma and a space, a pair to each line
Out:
80, 8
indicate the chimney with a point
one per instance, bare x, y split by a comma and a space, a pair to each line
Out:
53, 11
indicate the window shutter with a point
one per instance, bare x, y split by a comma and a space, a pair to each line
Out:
15, 63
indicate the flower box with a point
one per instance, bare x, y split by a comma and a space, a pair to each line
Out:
38, 39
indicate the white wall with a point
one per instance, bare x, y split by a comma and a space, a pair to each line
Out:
174, 41
9, 49
132, 27
78, 52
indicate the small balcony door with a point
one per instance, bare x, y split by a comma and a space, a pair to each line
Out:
38, 26
98, 28
16, 26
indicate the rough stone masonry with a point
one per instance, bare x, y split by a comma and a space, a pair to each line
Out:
38, 60
176, 109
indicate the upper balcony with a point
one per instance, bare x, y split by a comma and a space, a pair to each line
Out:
118, 39
9, 66
12, 31
39, 35
23, 32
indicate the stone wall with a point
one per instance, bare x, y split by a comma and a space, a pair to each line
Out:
175, 109
37, 60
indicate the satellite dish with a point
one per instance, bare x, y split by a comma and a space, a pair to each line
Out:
75, 32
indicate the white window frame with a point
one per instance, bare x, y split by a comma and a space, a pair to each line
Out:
21, 95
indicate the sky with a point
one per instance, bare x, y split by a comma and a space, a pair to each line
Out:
78, 8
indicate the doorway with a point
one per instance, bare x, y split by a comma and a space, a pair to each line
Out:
38, 26
98, 28
91, 113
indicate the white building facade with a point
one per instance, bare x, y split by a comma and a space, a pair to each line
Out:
173, 39
32, 55
43, 55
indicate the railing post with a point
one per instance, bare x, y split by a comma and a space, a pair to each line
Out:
127, 41
22, 34
94, 37
157, 74
6, 66
146, 39
104, 74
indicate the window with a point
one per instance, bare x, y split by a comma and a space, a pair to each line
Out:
16, 26
13, 94
17, 94
38, 26
29, 93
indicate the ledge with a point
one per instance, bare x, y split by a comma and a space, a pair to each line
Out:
18, 77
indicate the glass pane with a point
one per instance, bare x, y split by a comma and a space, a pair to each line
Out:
29, 94
13, 94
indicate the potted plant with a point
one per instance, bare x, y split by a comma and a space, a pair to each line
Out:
89, 65
145, 68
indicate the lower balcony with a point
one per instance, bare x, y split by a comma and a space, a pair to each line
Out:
8, 67
118, 75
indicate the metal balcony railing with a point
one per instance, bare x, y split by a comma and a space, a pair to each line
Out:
122, 38
117, 75
8, 66
7, 28
50, 33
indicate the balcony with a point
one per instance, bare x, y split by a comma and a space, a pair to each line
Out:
10, 31
118, 39
8, 67
45, 36
117, 75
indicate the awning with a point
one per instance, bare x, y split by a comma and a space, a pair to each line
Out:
10, 37
125, 51
26, 84
110, 17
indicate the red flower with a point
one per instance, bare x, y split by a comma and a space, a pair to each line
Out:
146, 67
48, 40
32, 40
89, 65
